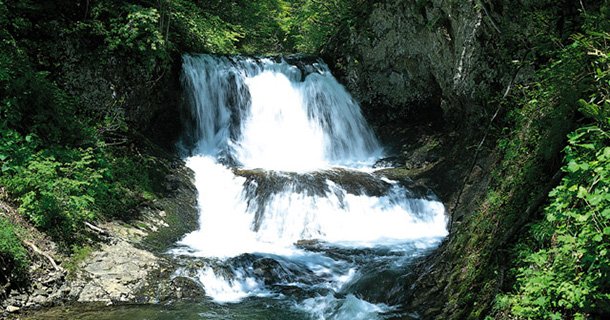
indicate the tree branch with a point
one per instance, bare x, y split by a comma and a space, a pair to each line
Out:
96, 229
40, 252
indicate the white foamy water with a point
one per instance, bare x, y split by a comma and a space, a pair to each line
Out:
226, 222
234, 290
329, 307
263, 137
269, 115
275, 137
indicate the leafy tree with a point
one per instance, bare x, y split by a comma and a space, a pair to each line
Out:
316, 21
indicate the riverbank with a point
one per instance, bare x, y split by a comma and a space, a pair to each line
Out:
125, 261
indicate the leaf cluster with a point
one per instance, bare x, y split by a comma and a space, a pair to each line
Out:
13, 256
565, 271
56, 161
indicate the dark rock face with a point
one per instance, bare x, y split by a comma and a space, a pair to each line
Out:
415, 59
175, 214
187, 288
424, 73
111, 86
49, 290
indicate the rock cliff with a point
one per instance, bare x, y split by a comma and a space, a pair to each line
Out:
417, 57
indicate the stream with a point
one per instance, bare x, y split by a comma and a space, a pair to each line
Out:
295, 222
292, 216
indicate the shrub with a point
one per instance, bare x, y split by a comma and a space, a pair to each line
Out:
13, 256
567, 273
56, 187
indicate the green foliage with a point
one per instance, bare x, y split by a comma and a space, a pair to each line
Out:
535, 118
137, 34
56, 187
79, 254
32, 103
37, 118
60, 188
124, 32
13, 256
138, 31
53, 154
317, 21
197, 30
569, 275
131, 180
567, 272
260, 27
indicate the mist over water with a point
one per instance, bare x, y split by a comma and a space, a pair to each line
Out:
289, 208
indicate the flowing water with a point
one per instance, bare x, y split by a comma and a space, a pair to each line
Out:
294, 223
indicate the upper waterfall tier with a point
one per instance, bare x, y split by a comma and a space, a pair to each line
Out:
259, 113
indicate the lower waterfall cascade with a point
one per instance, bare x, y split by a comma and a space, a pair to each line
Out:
292, 212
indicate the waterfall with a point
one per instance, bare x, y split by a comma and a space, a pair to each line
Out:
265, 114
288, 200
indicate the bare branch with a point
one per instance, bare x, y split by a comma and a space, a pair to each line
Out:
96, 229
42, 253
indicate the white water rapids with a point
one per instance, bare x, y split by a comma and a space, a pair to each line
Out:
290, 207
